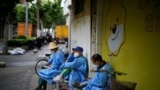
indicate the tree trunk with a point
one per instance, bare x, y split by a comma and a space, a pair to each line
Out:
41, 23
6, 29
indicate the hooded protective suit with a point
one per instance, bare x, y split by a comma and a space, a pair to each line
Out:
79, 71
47, 74
101, 80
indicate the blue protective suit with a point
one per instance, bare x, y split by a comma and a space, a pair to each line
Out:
70, 58
51, 59
47, 74
100, 80
79, 68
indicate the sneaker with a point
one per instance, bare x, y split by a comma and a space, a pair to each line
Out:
79, 85
58, 78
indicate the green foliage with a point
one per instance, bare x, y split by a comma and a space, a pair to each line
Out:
20, 13
21, 37
20, 41
17, 42
7, 6
32, 14
50, 14
31, 38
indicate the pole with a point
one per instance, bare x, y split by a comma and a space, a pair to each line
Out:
26, 24
38, 29
70, 23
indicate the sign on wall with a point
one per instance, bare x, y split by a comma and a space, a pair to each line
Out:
21, 29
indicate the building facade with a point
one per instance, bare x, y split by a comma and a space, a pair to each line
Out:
126, 33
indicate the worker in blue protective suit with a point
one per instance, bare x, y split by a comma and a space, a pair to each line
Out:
101, 78
66, 71
56, 60
79, 67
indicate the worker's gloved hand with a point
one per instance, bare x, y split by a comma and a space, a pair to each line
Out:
46, 67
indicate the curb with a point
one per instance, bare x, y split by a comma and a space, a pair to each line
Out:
2, 64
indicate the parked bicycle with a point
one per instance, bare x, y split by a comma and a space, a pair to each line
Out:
42, 63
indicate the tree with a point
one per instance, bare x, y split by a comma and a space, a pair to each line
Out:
6, 8
19, 12
52, 14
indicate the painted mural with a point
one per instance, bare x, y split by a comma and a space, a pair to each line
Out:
138, 54
115, 26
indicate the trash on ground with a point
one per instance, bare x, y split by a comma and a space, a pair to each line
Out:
16, 51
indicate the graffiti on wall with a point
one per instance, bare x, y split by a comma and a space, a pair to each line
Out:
115, 26
152, 23
149, 23
152, 19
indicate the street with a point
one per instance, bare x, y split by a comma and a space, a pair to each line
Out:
19, 72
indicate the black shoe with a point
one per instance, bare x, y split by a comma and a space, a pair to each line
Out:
38, 88
76, 84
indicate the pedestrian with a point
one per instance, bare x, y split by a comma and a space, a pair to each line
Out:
48, 37
65, 51
55, 61
101, 78
79, 67
66, 71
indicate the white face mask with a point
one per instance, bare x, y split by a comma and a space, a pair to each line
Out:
52, 52
95, 66
76, 54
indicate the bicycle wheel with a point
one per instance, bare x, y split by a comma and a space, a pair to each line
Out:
40, 64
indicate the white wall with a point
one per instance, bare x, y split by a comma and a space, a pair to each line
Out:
80, 34
65, 4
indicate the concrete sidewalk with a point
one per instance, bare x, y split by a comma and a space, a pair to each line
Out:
34, 83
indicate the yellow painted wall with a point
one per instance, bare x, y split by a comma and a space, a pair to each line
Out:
139, 56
